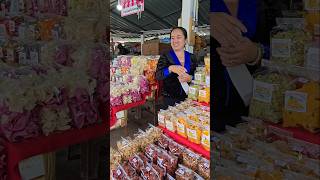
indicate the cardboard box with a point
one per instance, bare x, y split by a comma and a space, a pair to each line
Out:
154, 47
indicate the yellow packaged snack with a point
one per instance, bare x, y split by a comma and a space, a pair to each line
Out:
181, 125
204, 95
193, 132
302, 107
207, 64
312, 21
205, 137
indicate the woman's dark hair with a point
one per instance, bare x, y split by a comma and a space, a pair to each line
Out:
184, 31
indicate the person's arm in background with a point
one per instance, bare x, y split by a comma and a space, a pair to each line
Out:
162, 70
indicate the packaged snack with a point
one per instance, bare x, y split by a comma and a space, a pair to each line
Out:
176, 149
144, 158
152, 152
161, 118
149, 173
205, 137
199, 77
119, 173
301, 107
182, 124
204, 168
287, 45
184, 173
312, 56
127, 147
268, 95
136, 162
153, 133
204, 95
160, 171
167, 161
194, 131
190, 159
171, 123
163, 142
193, 92
131, 173
141, 139
116, 158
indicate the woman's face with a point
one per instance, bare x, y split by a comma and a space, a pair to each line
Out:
178, 40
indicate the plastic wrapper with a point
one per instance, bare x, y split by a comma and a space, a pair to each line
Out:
167, 161
193, 92
204, 95
301, 107
119, 173
287, 45
127, 147
184, 173
182, 125
194, 131
160, 171
312, 55
161, 118
163, 142
190, 159
205, 137
153, 133
141, 140
204, 168
116, 158
144, 158
171, 122
131, 173
152, 152
148, 172
176, 149
268, 95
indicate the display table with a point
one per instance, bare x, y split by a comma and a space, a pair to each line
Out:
27, 148
181, 140
295, 132
17, 152
115, 109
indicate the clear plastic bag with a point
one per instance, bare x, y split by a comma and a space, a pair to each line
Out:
268, 95
287, 45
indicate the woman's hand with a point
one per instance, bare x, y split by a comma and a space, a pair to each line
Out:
226, 29
245, 52
177, 69
184, 78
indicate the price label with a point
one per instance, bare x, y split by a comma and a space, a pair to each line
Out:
180, 127
281, 48
208, 80
296, 101
205, 139
32, 167
118, 172
192, 133
169, 125
313, 57
262, 91
160, 119
203, 93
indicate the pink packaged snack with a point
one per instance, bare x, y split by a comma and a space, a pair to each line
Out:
167, 161
151, 151
136, 162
